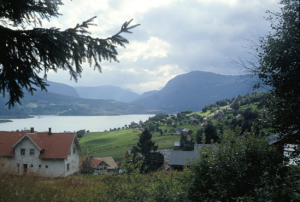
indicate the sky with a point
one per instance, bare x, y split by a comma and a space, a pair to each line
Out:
175, 37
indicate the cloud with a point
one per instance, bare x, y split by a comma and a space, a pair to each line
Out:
175, 37
153, 47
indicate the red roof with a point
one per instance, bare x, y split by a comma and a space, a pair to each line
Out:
7, 140
56, 145
95, 162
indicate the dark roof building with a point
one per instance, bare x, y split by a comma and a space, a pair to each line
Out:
179, 158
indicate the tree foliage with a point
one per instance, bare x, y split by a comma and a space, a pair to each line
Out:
86, 166
186, 144
278, 66
148, 150
242, 168
80, 133
27, 52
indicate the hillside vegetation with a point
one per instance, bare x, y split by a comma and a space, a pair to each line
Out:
47, 103
163, 126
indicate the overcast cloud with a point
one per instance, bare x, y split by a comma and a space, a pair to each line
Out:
175, 37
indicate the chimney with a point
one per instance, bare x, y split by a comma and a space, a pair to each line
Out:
49, 133
32, 129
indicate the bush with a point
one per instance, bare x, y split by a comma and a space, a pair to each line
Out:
241, 168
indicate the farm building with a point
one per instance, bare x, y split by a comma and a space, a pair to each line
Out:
41, 153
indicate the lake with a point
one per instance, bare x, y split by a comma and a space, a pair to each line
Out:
73, 123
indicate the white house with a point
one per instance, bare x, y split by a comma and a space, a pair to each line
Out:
42, 153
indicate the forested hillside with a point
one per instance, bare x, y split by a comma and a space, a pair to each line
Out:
195, 90
46, 103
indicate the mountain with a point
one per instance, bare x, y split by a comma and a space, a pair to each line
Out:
61, 89
195, 90
146, 94
46, 103
106, 92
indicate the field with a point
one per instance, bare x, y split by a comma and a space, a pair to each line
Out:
116, 143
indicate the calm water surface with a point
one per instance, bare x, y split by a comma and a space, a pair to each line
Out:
73, 123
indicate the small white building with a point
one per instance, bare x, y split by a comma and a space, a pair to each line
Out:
42, 153
288, 150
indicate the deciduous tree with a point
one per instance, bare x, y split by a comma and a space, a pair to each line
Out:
278, 66
242, 168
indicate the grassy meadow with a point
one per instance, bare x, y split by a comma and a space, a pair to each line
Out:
116, 143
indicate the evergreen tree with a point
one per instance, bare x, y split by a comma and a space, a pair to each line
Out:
211, 133
147, 148
186, 144
199, 136
27, 52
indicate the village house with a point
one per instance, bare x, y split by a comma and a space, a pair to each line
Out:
285, 147
204, 124
195, 122
102, 165
134, 125
40, 153
179, 131
229, 109
176, 145
239, 117
218, 114
186, 131
179, 158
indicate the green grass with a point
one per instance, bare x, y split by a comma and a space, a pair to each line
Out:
252, 105
208, 112
116, 143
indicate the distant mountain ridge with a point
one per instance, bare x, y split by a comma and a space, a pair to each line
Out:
191, 91
61, 89
106, 92
146, 94
195, 90
47, 103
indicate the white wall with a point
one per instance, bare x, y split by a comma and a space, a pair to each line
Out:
73, 161
43, 167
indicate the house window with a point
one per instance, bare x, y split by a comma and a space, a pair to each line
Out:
46, 166
22, 152
40, 166
73, 150
68, 166
104, 168
31, 152
31, 165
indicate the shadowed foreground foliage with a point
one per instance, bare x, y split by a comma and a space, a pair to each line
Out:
240, 168
161, 186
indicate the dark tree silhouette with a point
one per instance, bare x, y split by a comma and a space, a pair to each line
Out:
148, 150
27, 52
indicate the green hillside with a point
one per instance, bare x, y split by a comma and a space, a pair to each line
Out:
116, 143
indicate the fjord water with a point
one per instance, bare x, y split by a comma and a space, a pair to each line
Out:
72, 123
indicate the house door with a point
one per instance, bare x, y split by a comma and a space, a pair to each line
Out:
24, 169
